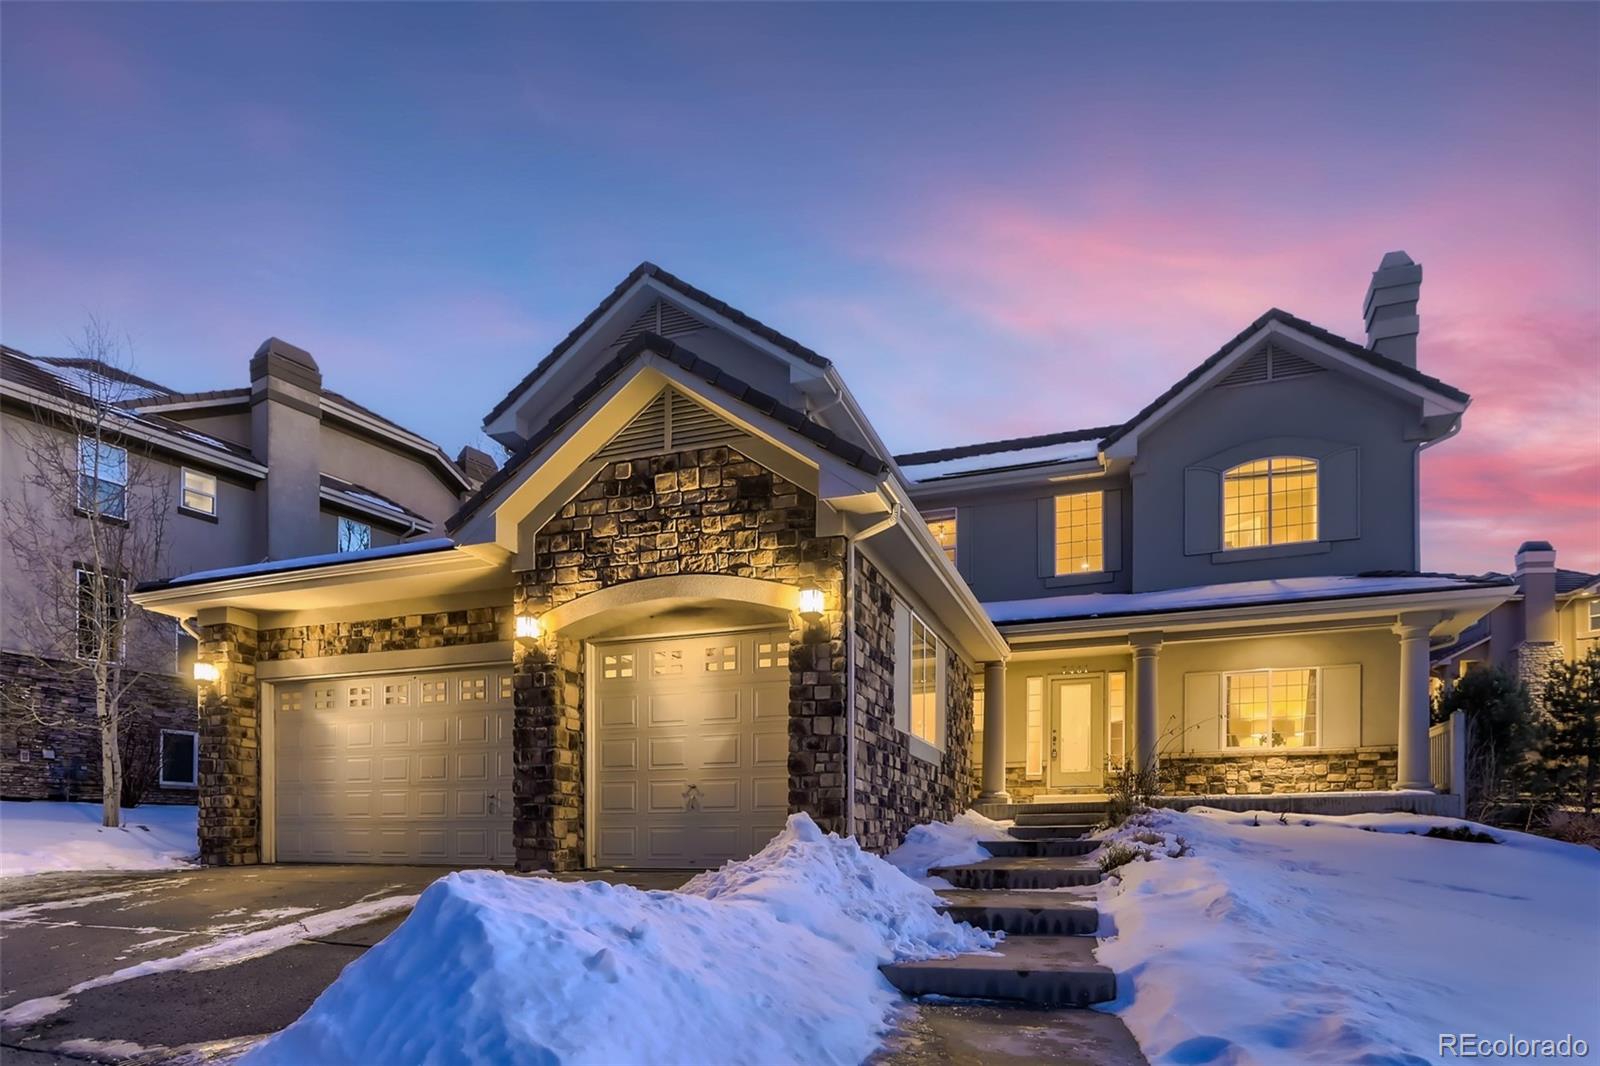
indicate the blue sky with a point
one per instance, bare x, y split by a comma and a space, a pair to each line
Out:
996, 220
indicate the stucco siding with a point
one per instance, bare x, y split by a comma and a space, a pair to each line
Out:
397, 474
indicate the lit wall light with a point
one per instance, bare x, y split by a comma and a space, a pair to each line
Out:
811, 604
528, 627
206, 672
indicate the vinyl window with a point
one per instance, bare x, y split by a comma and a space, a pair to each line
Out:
102, 478
1080, 533
1269, 501
180, 758
1116, 718
354, 536
1034, 727
1272, 708
942, 524
199, 493
926, 697
1594, 616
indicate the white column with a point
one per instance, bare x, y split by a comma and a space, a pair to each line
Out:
994, 734
1413, 704
1146, 647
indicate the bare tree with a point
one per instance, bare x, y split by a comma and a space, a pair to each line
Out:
88, 524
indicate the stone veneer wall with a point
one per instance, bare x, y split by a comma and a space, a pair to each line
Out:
704, 511
437, 629
1534, 661
1337, 770
230, 749
895, 789
68, 730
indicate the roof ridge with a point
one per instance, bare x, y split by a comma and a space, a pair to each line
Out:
1010, 444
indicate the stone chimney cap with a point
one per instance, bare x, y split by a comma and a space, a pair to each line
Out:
1536, 546
284, 350
1396, 259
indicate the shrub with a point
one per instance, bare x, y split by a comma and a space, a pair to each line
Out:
1460, 832
1571, 755
1574, 827
1504, 739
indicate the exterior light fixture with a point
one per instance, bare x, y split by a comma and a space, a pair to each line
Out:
206, 672
528, 627
811, 603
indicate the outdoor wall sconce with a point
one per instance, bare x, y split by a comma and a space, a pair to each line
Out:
528, 627
811, 603
206, 673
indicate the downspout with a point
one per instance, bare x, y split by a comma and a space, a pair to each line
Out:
850, 661
188, 626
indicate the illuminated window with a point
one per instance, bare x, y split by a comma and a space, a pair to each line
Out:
977, 725
102, 479
1116, 718
1035, 727
1269, 501
1272, 708
1080, 533
924, 682
199, 492
942, 524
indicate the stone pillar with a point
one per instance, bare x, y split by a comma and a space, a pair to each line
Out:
547, 752
1146, 734
994, 734
1538, 649
230, 742
817, 688
1414, 704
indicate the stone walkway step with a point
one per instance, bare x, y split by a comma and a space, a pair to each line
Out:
1049, 832
1006, 1034
1021, 913
1020, 873
1079, 817
1045, 971
1047, 847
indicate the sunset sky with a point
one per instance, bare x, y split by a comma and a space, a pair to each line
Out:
995, 220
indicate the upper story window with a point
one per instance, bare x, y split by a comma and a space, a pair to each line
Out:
354, 536
102, 478
1080, 533
100, 612
1594, 616
1269, 501
199, 493
942, 524
1272, 708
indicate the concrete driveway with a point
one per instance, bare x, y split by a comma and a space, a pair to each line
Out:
262, 943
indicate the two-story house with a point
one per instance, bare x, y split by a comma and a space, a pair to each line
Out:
732, 602
279, 468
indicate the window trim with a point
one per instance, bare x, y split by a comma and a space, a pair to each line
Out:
184, 490
339, 528
1318, 732
1594, 615
1272, 547
906, 619
1097, 573
161, 759
77, 617
77, 498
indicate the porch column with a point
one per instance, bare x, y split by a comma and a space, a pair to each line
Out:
1414, 704
994, 734
1146, 647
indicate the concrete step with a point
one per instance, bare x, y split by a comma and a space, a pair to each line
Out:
1021, 913
1086, 817
1045, 971
1020, 873
1065, 805
1049, 832
1046, 848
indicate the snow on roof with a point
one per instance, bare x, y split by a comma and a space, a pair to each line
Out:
1042, 455
1233, 594
307, 562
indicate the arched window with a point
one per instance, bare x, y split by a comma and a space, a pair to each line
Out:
1269, 501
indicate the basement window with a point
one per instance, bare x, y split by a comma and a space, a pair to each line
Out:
180, 759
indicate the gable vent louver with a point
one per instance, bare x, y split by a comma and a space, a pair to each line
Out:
671, 423
1270, 363
662, 319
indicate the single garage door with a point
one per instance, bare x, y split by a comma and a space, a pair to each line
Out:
691, 748
402, 768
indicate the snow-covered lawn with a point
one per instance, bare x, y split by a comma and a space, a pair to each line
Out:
770, 960
1314, 941
40, 837
953, 843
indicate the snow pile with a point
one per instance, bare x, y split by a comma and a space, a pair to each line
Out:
770, 960
40, 837
946, 844
1318, 942
1143, 837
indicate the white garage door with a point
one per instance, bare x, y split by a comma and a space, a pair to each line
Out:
691, 748
404, 768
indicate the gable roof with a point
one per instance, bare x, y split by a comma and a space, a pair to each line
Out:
711, 374
648, 269
990, 457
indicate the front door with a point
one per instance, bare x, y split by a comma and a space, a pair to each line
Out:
1077, 732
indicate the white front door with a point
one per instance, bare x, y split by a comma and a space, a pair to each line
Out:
1077, 753
690, 740
402, 768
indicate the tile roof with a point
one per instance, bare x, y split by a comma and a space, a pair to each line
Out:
1012, 444
650, 343
373, 498
648, 269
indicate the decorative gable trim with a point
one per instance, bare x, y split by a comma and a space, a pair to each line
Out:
672, 422
1270, 362
664, 320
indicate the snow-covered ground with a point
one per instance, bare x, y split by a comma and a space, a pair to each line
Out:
770, 960
1314, 941
40, 837
953, 843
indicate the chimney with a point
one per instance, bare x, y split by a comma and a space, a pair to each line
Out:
1536, 578
286, 434
1391, 308
476, 464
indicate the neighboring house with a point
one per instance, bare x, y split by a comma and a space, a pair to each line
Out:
702, 595
1554, 614
276, 469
